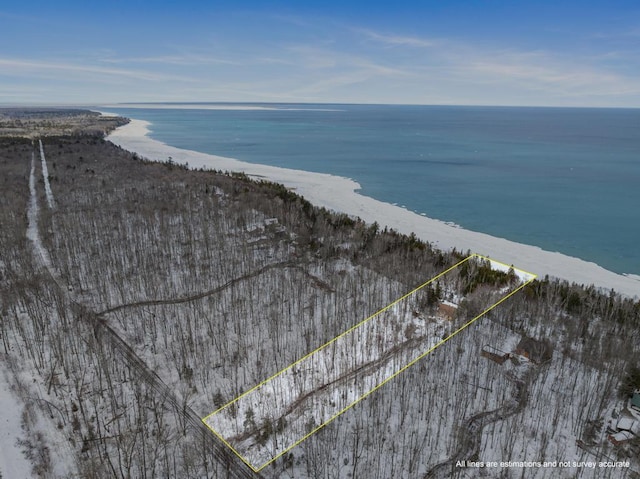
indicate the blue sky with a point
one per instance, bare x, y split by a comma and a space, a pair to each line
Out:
429, 52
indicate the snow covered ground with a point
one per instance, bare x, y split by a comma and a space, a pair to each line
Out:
19, 416
45, 176
254, 311
13, 463
563, 398
340, 194
32, 217
268, 420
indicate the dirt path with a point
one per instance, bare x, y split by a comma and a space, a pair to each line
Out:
33, 214
471, 431
235, 468
194, 297
197, 296
45, 176
298, 407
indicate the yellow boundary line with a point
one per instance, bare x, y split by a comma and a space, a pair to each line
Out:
404, 368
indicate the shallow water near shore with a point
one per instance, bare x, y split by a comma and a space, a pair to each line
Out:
558, 178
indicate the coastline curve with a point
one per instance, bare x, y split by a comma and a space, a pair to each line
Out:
341, 195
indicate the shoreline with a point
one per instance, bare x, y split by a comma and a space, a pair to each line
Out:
340, 194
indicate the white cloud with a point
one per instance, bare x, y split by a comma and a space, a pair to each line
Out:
631, 33
266, 60
397, 40
548, 73
314, 58
533, 72
19, 66
310, 57
334, 67
188, 59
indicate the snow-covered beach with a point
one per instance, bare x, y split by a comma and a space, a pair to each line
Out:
340, 194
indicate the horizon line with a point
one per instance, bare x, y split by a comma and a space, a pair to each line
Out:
130, 104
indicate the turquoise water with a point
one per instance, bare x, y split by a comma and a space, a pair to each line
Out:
564, 179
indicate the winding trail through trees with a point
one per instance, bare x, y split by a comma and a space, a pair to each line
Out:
370, 367
234, 466
197, 296
218, 289
471, 430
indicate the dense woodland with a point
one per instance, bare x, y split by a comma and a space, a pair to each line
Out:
160, 294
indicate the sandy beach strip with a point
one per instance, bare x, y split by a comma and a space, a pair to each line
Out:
340, 194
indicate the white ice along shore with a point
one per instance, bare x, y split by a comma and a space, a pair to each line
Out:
340, 194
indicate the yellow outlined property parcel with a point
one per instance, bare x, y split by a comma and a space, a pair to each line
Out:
270, 419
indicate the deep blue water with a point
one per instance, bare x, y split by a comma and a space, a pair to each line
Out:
564, 179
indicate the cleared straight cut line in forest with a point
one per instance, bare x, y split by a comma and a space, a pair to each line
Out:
33, 212
234, 467
45, 175
273, 417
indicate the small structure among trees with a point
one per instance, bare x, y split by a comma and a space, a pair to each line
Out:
538, 352
494, 354
626, 429
447, 310
634, 402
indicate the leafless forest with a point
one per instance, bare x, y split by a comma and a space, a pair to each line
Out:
147, 296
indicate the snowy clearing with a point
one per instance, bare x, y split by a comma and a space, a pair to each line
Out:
268, 420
